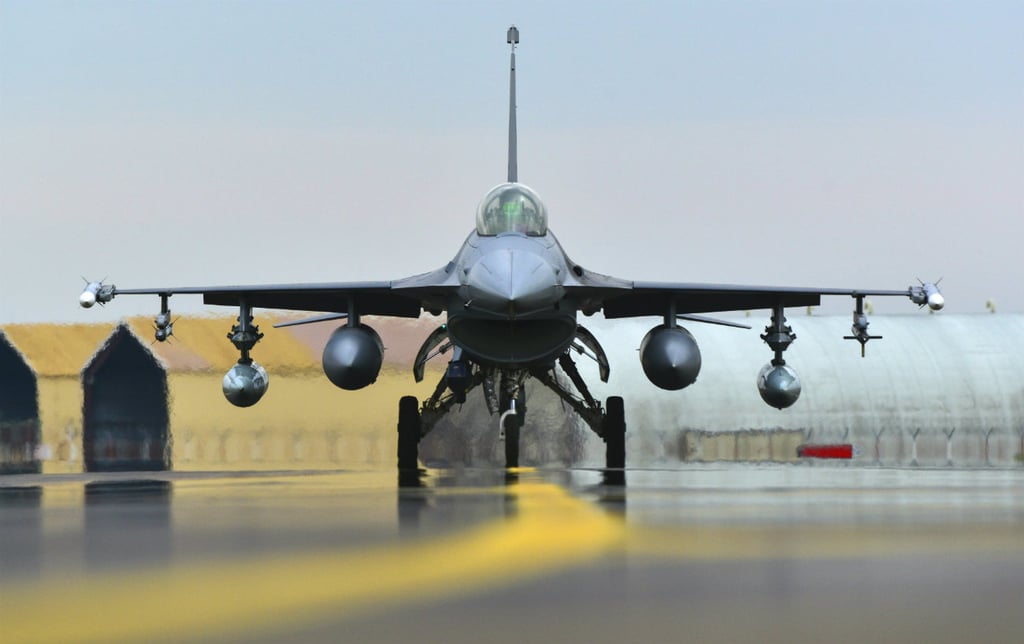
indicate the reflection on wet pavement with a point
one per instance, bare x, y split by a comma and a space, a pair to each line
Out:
230, 556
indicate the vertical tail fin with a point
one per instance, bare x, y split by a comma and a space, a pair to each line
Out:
513, 169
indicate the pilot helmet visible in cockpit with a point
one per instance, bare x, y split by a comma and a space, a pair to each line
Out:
511, 208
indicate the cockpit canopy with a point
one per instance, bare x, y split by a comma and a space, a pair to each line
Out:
511, 208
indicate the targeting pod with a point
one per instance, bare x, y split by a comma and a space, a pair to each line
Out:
245, 383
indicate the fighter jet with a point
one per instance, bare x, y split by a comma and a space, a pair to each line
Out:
512, 298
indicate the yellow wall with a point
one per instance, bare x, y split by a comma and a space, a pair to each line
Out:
60, 416
754, 446
302, 422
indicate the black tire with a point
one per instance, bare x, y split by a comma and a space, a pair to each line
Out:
511, 442
512, 426
409, 428
615, 433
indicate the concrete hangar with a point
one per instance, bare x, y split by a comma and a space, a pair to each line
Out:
938, 390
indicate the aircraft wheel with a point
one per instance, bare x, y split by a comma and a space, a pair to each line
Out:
615, 433
409, 428
512, 426
511, 442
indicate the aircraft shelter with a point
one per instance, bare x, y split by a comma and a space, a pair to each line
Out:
19, 412
125, 416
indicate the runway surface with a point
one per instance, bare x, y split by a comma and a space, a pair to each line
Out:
698, 553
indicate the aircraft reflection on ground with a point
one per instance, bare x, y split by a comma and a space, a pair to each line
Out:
21, 528
423, 497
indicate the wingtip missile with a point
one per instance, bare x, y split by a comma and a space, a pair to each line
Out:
87, 299
928, 293
96, 292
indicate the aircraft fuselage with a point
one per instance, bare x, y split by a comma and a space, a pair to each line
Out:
511, 309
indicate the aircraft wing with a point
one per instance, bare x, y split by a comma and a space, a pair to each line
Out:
401, 298
653, 298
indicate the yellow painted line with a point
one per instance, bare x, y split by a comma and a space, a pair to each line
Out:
550, 530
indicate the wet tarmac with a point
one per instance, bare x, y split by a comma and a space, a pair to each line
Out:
695, 553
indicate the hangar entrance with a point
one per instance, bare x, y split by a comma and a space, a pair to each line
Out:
19, 413
125, 416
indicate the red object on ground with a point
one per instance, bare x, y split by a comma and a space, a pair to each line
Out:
843, 450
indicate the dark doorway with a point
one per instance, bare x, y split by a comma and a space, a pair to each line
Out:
125, 415
19, 413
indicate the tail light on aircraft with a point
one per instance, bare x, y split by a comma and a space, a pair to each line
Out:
670, 357
245, 383
353, 357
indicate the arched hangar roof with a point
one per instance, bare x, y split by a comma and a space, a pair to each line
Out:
929, 372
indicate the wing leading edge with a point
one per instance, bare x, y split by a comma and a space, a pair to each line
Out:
369, 298
409, 297
655, 298
401, 298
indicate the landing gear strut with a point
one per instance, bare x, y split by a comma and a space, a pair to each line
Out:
609, 423
504, 395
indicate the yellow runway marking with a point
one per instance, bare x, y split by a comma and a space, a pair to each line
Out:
550, 531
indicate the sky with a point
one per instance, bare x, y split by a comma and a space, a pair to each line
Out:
835, 144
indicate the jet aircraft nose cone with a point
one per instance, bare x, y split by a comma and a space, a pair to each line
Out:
512, 279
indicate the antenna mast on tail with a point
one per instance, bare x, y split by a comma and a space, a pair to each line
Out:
513, 172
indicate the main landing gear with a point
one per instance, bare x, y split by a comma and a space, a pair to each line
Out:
411, 430
504, 394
